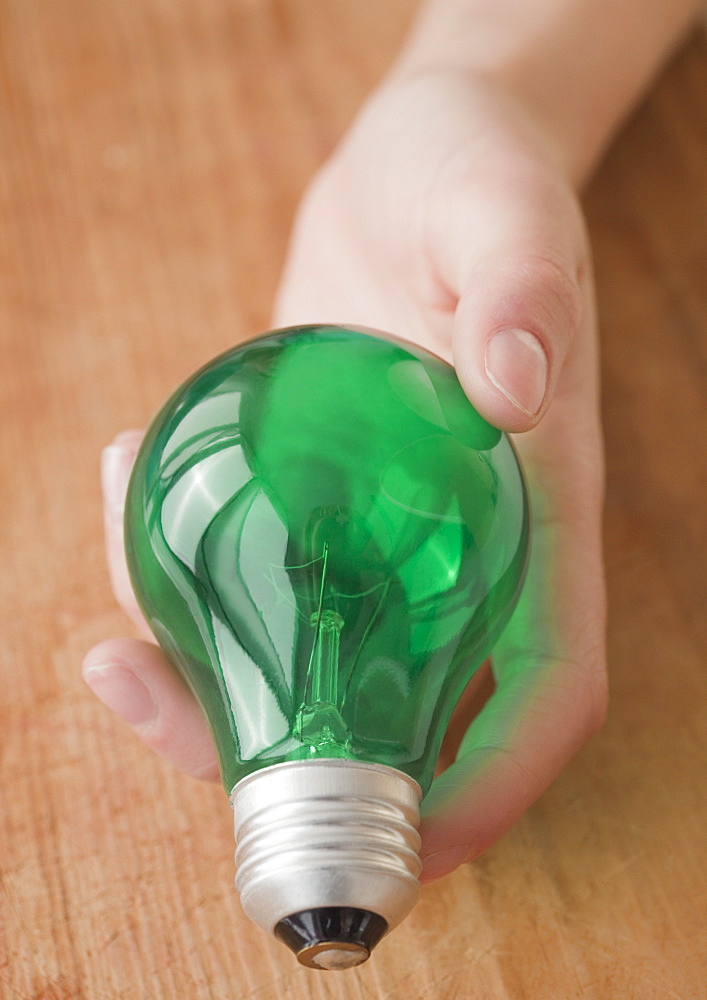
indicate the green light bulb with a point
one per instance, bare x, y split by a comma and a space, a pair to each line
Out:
327, 539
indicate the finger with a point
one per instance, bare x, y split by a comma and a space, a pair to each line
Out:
549, 665
514, 263
136, 680
116, 465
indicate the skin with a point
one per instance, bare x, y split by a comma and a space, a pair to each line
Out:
449, 214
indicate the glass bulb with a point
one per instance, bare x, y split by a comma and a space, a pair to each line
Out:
327, 539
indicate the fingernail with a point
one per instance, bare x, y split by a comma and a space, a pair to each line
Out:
441, 863
517, 365
116, 463
122, 691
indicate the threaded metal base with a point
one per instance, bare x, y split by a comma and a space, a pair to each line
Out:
326, 833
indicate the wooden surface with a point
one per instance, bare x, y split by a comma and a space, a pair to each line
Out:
152, 155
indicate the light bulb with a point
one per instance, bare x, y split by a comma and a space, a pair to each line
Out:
326, 539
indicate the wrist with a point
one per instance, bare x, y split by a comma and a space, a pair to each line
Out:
576, 67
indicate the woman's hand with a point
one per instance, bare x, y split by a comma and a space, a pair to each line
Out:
446, 217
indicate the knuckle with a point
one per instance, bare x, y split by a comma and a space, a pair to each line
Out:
555, 292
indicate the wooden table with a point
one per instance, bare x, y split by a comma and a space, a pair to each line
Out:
153, 154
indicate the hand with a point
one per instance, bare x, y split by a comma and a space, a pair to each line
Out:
445, 217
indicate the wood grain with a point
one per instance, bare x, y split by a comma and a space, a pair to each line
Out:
152, 157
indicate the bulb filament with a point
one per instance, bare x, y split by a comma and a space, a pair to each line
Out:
324, 662
319, 724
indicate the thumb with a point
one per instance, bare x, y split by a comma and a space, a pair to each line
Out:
515, 264
514, 326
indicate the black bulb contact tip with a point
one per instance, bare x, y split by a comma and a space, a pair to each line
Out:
331, 937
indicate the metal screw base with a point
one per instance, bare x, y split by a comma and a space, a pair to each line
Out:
327, 833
